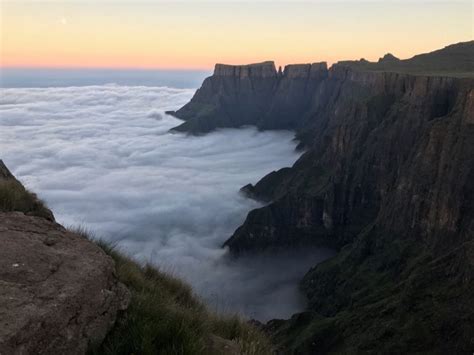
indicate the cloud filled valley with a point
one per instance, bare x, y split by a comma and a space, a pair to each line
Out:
102, 158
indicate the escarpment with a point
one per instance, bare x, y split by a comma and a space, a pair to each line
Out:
387, 178
392, 172
259, 70
370, 138
254, 94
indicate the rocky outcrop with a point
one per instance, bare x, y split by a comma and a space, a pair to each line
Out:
58, 292
387, 179
388, 58
255, 94
247, 89
259, 70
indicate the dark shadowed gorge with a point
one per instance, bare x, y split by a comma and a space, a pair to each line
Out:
387, 178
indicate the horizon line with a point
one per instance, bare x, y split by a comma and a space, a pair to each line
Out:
203, 68
62, 67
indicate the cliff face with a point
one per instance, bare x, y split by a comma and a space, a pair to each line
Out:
292, 96
388, 179
257, 95
391, 169
377, 144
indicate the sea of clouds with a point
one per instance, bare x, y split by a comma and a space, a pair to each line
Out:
102, 157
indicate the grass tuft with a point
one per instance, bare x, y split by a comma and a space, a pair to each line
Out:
14, 197
165, 317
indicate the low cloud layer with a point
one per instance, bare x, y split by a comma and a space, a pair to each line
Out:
102, 157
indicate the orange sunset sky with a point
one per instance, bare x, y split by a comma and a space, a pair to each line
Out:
197, 34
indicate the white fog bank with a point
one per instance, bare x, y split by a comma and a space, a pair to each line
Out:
102, 157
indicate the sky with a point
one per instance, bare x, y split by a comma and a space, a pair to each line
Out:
197, 34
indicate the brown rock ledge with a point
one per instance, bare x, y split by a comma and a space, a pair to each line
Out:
259, 70
58, 291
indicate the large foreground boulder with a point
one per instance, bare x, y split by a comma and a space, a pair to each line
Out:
58, 291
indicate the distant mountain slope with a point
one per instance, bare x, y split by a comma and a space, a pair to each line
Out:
456, 60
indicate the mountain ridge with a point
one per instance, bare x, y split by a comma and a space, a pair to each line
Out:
386, 178
271, 99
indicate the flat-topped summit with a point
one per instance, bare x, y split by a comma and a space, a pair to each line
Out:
267, 69
309, 70
260, 70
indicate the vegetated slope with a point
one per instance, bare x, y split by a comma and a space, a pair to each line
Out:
14, 197
60, 293
165, 317
388, 179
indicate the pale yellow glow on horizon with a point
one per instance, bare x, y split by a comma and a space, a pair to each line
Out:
197, 35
